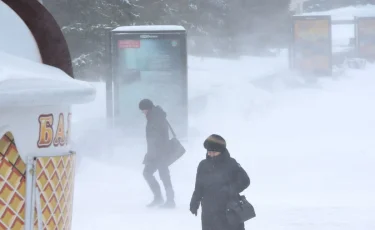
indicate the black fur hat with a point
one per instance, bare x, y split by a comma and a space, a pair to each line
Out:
215, 143
146, 104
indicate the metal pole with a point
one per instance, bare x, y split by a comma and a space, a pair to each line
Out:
29, 194
38, 208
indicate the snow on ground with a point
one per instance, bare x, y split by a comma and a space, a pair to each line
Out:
308, 147
309, 151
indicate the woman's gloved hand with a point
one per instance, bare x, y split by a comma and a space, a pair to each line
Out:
193, 211
194, 208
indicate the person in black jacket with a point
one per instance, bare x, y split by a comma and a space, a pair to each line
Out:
218, 178
157, 137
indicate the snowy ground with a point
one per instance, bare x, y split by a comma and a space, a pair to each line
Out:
307, 146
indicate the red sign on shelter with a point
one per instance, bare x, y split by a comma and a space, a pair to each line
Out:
129, 44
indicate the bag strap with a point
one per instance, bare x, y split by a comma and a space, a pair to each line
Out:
172, 131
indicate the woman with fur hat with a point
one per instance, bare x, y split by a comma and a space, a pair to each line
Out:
218, 178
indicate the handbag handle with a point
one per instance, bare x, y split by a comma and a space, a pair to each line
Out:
172, 131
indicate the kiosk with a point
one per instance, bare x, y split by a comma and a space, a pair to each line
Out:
36, 158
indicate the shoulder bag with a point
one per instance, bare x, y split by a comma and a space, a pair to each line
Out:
175, 148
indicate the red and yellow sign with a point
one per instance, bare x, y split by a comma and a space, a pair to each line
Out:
312, 51
49, 136
366, 38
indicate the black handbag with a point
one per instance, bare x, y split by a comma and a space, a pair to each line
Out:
239, 211
175, 149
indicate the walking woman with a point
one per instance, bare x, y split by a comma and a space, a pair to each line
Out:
219, 176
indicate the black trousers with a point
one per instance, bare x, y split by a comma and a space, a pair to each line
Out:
165, 177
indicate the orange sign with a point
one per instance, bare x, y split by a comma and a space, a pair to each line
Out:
366, 38
49, 136
311, 48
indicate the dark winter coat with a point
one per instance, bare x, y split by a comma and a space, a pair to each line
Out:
216, 180
157, 136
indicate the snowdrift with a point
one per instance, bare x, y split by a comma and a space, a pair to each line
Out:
308, 149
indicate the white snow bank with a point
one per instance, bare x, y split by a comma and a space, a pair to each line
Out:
347, 13
16, 37
211, 74
309, 153
26, 83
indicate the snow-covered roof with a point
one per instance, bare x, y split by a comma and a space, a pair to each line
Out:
294, 4
16, 37
27, 83
144, 28
347, 13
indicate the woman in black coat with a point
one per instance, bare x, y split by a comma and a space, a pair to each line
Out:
218, 178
